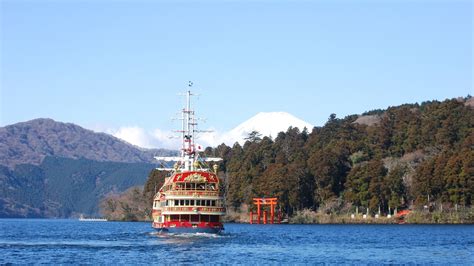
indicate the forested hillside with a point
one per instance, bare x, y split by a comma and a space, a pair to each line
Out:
62, 187
409, 155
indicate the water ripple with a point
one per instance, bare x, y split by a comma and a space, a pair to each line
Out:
73, 242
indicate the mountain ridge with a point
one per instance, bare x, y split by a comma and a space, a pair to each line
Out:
31, 141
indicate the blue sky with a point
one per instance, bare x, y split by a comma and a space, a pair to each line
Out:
112, 64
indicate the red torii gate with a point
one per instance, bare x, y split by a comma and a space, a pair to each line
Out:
265, 201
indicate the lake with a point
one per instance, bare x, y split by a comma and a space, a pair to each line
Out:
70, 241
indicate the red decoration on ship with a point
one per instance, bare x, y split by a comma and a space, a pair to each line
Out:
190, 200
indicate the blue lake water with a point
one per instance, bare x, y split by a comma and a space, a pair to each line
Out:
70, 241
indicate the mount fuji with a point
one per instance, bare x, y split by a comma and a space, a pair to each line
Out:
266, 123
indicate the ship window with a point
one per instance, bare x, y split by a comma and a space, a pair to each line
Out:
213, 203
167, 202
198, 202
208, 203
194, 218
181, 202
214, 218
186, 203
193, 186
176, 202
200, 186
174, 218
191, 203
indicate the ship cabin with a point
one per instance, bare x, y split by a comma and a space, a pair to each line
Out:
190, 199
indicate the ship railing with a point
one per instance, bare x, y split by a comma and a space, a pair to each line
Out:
196, 209
193, 193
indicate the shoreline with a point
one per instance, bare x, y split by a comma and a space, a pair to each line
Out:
357, 222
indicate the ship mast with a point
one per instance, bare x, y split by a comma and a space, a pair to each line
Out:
189, 154
188, 146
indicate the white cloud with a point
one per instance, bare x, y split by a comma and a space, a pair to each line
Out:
165, 139
158, 138
212, 138
135, 135
155, 138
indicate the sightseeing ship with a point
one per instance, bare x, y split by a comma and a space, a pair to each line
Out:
190, 200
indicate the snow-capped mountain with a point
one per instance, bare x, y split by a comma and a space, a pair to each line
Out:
267, 124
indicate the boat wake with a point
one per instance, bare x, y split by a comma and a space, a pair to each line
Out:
188, 235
